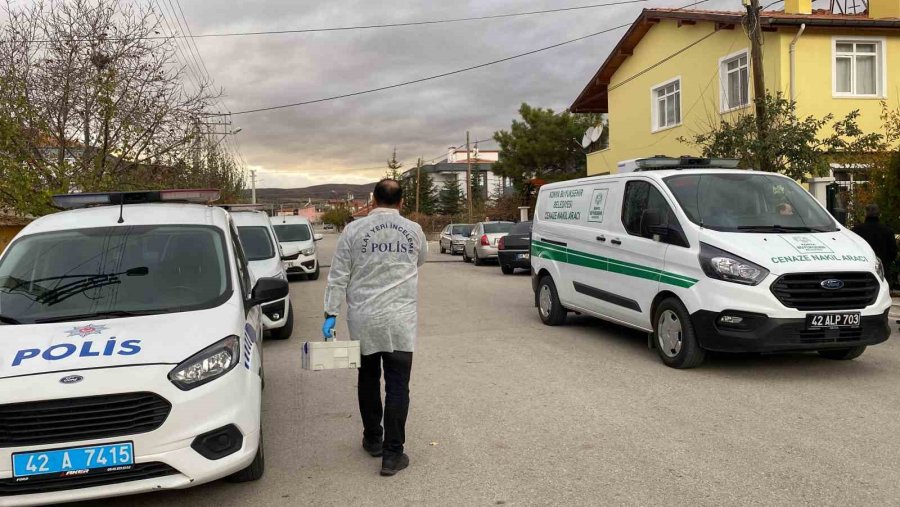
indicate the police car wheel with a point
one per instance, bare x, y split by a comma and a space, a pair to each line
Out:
549, 308
843, 354
676, 341
285, 331
257, 468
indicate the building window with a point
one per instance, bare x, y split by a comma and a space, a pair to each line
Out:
734, 72
667, 105
859, 67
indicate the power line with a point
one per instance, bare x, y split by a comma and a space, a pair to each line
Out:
374, 26
444, 74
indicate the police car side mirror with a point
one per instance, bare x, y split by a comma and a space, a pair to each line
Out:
267, 290
318, 237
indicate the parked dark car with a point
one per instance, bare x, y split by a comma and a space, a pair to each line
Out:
514, 249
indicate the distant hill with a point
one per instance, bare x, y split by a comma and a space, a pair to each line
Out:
316, 192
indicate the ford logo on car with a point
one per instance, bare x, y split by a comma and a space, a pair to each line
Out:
832, 284
71, 379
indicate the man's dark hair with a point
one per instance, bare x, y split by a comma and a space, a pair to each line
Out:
872, 211
388, 192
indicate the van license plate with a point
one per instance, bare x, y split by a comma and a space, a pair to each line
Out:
74, 462
832, 320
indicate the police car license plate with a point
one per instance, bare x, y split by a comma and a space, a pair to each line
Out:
74, 462
832, 320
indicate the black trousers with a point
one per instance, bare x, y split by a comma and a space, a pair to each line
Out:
397, 368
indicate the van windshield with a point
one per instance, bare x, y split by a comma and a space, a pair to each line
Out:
748, 202
288, 233
112, 272
256, 242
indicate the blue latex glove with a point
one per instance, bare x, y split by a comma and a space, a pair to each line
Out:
328, 328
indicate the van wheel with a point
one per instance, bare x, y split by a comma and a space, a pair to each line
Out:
257, 468
549, 308
285, 331
843, 354
676, 341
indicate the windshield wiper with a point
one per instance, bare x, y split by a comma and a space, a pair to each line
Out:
111, 314
8, 320
779, 228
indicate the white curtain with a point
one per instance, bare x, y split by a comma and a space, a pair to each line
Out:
843, 75
865, 75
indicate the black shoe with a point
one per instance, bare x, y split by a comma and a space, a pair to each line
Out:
390, 465
373, 448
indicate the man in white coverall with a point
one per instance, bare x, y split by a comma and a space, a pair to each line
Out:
376, 269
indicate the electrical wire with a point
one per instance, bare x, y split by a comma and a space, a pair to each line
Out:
660, 62
375, 26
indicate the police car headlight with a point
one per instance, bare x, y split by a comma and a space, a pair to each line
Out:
728, 267
879, 268
308, 251
207, 365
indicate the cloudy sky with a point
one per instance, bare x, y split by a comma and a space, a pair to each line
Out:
348, 140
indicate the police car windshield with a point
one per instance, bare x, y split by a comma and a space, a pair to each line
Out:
497, 227
112, 272
292, 232
461, 230
256, 242
748, 202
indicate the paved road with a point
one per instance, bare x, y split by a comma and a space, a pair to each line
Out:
508, 411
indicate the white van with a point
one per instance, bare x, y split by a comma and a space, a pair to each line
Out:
298, 241
130, 350
266, 260
707, 258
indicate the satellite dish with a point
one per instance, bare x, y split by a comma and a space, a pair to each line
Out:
595, 133
585, 141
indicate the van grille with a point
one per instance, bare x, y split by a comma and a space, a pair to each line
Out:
76, 419
138, 472
804, 291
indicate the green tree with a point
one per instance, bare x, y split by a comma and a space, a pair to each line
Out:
394, 166
428, 200
450, 197
339, 217
540, 145
793, 146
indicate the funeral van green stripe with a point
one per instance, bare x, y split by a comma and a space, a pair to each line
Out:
564, 254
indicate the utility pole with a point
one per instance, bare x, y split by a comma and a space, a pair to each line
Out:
468, 179
418, 183
253, 186
754, 30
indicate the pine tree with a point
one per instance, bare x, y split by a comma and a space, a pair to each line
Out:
450, 197
394, 166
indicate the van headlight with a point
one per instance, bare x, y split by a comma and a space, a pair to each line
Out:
308, 251
207, 365
728, 267
879, 268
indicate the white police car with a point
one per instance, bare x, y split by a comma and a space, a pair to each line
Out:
130, 354
266, 258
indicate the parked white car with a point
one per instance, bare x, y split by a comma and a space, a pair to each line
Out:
298, 242
130, 350
265, 257
707, 258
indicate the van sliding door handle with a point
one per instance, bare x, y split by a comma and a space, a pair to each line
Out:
616, 242
601, 238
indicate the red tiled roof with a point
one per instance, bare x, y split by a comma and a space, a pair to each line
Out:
594, 97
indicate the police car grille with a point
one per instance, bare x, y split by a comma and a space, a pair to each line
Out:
77, 419
804, 291
138, 472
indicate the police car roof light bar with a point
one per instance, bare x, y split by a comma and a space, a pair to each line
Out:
243, 207
84, 200
661, 162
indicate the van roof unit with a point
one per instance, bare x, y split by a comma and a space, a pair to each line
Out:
88, 199
661, 162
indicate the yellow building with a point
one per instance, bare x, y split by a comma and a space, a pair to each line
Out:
676, 72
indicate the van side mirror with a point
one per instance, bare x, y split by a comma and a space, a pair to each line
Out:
268, 290
651, 224
317, 237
